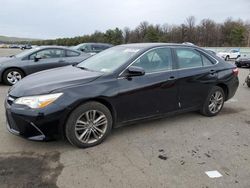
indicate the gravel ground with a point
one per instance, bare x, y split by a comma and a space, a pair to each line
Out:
170, 152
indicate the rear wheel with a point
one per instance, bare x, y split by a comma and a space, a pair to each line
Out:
248, 81
214, 102
88, 125
227, 58
12, 76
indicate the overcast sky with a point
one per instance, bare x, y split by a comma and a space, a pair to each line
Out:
67, 18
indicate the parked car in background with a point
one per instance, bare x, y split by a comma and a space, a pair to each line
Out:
243, 61
14, 46
14, 68
118, 86
92, 48
25, 46
230, 54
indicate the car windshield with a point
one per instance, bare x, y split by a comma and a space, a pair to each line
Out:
26, 52
110, 59
76, 47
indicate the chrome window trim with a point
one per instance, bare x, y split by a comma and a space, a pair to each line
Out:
216, 61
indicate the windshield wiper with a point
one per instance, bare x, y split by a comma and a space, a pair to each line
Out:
83, 68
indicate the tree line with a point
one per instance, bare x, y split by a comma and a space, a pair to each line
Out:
206, 33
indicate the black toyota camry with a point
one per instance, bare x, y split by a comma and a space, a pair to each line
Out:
123, 84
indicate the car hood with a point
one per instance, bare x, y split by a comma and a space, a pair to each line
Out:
223, 53
53, 79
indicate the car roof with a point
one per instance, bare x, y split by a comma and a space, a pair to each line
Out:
97, 43
152, 45
58, 47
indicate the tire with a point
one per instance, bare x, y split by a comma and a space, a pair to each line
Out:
81, 129
12, 76
238, 65
248, 81
248, 84
206, 108
227, 58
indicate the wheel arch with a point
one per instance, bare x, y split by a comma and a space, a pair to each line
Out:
100, 100
225, 89
8, 68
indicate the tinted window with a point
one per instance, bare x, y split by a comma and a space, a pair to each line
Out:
155, 60
70, 53
49, 53
234, 51
188, 58
206, 61
98, 48
85, 48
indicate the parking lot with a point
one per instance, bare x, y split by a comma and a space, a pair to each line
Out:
170, 152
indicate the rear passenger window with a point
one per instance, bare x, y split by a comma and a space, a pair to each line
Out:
188, 58
70, 53
206, 61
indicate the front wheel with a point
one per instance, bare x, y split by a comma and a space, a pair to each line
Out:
214, 102
12, 76
88, 125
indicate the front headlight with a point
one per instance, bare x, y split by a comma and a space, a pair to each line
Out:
40, 101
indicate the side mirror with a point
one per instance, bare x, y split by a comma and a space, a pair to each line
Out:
135, 71
37, 58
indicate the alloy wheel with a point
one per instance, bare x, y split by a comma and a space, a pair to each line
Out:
216, 102
13, 77
91, 126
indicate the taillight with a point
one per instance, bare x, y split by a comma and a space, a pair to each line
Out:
236, 71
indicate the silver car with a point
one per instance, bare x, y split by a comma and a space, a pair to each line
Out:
15, 67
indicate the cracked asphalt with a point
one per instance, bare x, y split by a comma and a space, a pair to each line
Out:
169, 152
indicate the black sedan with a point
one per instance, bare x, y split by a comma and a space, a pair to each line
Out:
243, 62
118, 86
15, 67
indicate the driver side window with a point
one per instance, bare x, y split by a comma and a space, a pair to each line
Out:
156, 60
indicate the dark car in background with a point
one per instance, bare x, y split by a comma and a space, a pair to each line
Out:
92, 48
15, 67
118, 86
243, 61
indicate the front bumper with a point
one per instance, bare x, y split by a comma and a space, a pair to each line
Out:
39, 125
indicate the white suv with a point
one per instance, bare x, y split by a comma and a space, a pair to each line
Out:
231, 54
